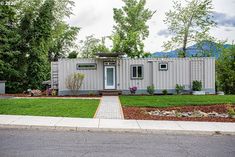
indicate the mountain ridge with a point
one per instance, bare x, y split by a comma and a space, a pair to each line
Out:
202, 49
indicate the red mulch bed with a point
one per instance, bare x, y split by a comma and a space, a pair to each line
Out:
140, 113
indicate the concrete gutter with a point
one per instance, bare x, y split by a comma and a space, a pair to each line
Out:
116, 125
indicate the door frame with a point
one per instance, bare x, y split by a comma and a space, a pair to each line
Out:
115, 77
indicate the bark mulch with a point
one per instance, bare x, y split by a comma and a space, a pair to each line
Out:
139, 113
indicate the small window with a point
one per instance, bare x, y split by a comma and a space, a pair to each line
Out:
86, 66
163, 66
137, 72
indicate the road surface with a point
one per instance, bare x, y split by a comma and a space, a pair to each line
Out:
36, 143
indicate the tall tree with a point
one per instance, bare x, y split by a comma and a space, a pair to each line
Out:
225, 68
189, 24
91, 45
72, 55
38, 68
131, 28
63, 37
33, 33
9, 38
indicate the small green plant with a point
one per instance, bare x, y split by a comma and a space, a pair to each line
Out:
179, 88
231, 111
91, 93
164, 92
197, 85
53, 92
150, 89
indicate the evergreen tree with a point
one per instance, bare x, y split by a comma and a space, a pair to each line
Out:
9, 53
38, 65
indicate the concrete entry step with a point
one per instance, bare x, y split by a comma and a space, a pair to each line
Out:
110, 92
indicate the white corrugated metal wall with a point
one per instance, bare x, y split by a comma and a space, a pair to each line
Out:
180, 71
93, 78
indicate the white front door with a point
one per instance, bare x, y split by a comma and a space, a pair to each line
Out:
109, 77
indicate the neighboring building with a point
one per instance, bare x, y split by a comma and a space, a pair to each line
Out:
2, 87
111, 72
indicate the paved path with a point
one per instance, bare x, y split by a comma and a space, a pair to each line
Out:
109, 108
36, 143
144, 126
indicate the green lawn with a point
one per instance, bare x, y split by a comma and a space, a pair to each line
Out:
84, 108
175, 100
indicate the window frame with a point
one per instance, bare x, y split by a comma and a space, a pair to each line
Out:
86, 68
142, 70
163, 69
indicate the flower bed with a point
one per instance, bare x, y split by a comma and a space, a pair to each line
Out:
143, 113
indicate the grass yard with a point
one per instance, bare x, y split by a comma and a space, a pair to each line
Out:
175, 100
84, 108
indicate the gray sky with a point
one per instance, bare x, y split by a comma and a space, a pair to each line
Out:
96, 17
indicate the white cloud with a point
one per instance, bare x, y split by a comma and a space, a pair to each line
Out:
96, 17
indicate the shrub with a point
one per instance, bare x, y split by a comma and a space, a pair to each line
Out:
53, 92
74, 82
179, 88
164, 92
231, 112
197, 85
133, 89
150, 89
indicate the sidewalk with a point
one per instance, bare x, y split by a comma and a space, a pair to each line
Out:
143, 126
109, 108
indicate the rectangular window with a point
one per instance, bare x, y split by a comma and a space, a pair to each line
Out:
163, 66
137, 72
86, 66
140, 71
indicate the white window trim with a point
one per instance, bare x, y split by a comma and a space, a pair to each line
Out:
163, 69
137, 78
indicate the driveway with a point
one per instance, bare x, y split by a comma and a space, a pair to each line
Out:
28, 143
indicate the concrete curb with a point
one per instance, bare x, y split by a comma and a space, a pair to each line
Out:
111, 125
116, 130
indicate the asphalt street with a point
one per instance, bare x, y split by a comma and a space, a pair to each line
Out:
38, 143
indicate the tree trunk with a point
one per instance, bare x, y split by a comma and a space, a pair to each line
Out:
186, 36
185, 44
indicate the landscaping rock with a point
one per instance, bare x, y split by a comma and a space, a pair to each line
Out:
195, 114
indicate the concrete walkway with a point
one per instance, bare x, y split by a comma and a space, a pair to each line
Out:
109, 108
143, 126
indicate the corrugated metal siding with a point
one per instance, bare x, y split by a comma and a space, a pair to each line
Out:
180, 71
209, 73
177, 73
93, 78
197, 71
124, 74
